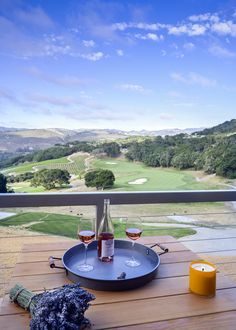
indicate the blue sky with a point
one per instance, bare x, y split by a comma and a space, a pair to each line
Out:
117, 64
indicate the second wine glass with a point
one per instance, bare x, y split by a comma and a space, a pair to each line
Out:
86, 235
133, 231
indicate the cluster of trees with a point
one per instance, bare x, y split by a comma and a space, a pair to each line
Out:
51, 179
213, 154
101, 179
20, 178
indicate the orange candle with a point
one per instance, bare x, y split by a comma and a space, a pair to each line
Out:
202, 278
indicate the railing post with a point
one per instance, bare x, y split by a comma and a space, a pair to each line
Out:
99, 212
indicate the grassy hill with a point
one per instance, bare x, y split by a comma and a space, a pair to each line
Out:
228, 127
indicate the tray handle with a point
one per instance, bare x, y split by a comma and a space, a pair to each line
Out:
163, 248
51, 261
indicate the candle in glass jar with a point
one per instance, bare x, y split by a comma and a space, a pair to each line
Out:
202, 278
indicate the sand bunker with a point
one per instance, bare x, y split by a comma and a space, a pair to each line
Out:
111, 163
138, 181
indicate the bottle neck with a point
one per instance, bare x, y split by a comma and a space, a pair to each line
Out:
106, 209
106, 223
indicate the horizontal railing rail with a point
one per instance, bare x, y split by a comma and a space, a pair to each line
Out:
117, 198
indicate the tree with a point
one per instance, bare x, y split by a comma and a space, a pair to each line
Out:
49, 179
3, 183
101, 179
112, 149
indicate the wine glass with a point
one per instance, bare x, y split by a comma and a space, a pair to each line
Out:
86, 235
133, 230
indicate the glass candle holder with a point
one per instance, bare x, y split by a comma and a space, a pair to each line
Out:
202, 278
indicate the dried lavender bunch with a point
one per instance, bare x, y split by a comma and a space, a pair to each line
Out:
61, 309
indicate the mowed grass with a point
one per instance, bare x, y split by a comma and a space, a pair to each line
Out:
29, 167
26, 187
66, 225
156, 178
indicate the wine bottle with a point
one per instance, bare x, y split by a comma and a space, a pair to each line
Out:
106, 235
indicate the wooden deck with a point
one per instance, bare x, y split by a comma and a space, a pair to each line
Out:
164, 303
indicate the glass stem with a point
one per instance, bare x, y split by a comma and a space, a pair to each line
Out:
85, 254
133, 242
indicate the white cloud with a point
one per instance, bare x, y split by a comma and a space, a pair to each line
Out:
177, 30
133, 88
141, 26
148, 36
120, 52
189, 29
88, 43
193, 78
224, 28
195, 25
221, 52
92, 56
204, 17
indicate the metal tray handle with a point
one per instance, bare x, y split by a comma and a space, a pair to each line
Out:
163, 248
51, 261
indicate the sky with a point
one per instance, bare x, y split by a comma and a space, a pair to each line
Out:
121, 64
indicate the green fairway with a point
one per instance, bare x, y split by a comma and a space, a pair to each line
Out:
66, 225
151, 179
130, 176
29, 167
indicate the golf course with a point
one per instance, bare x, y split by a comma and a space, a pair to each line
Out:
129, 176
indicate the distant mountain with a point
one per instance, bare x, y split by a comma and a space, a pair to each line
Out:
228, 127
9, 129
164, 132
21, 140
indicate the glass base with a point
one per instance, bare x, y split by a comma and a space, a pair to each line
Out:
85, 268
132, 262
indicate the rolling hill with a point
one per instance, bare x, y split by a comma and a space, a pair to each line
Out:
15, 139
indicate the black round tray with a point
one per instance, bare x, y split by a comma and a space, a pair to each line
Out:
105, 276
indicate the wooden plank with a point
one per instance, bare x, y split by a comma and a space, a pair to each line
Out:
175, 257
64, 245
164, 271
156, 288
40, 282
39, 269
37, 281
224, 320
35, 256
15, 322
43, 266
171, 257
160, 309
